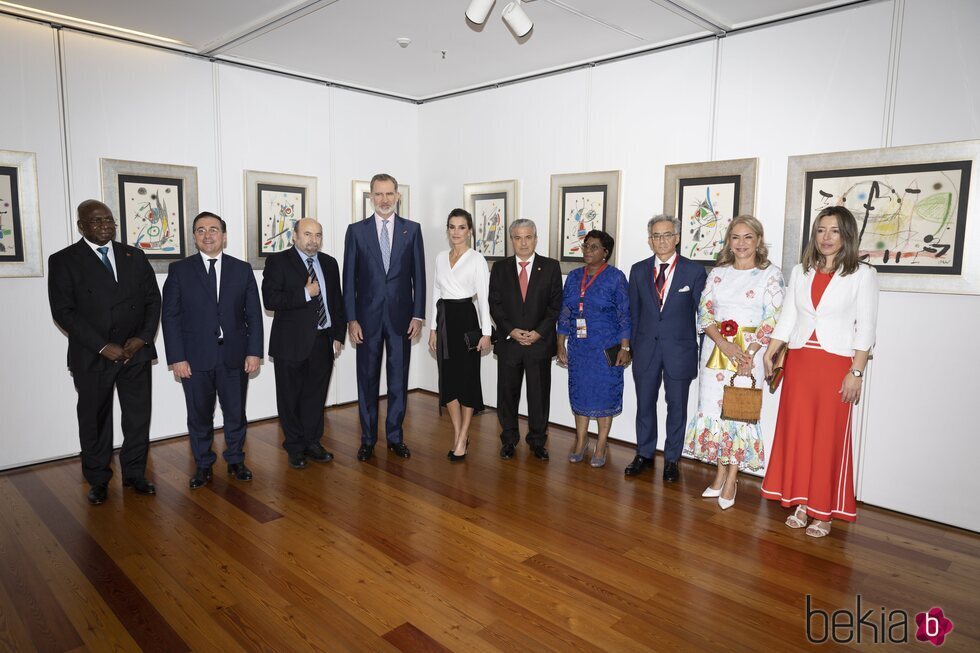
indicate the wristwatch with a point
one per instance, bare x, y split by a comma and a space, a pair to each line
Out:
856, 373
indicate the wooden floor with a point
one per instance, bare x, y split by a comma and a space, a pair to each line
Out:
424, 555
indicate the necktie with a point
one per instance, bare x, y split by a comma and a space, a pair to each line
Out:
385, 245
660, 281
104, 251
522, 278
213, 278
321, 312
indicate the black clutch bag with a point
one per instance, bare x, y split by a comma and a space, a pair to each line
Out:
612, 353
472, 338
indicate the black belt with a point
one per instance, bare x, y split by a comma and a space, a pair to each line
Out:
221, 341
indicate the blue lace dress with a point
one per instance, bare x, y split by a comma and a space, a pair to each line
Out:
595, 388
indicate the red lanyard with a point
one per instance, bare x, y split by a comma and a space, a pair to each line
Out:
662, 291
585, 286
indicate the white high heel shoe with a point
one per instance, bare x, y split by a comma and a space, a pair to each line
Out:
711, 493
727, 503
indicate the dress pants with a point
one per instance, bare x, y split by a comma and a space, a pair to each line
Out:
647, 391
397, 349
230, 386
301, 393
133, 384
511, 373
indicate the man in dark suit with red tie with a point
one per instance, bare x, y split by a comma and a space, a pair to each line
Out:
525, 299
302, 286
212, 329
105, 296
664, 290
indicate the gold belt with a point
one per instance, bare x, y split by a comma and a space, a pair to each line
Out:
718, 360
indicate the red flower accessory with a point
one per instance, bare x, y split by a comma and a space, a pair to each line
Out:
728, 328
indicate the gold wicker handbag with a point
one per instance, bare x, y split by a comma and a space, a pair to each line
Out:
741, 404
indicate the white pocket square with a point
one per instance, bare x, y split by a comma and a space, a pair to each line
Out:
685, 289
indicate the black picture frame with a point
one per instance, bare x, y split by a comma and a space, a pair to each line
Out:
501, 229
261, 237
690, 236
11, 220
564, 221
891, 261
126, 207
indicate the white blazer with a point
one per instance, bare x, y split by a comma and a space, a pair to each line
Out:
846, 318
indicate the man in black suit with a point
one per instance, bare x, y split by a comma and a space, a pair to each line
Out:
105, 296
525, 298
212, 328
302, 285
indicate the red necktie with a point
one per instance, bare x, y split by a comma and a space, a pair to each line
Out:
661, 280
522, 277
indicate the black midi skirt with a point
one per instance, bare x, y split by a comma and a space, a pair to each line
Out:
459, 368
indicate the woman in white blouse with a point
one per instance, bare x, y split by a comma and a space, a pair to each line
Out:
460, 332
828, 322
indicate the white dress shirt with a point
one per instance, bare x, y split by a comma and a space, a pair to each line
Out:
217, 273
469, 277
670, 274
530, 266
378, 223
109, 255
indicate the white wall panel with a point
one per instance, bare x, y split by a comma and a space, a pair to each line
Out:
919, 417
36, 393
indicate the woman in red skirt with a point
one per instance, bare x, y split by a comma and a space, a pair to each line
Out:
828, 324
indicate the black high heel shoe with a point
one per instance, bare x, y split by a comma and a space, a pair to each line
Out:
453, 458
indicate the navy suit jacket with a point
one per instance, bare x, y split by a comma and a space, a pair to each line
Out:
95, 310
191, 316
674, 329
284, 291
370, 295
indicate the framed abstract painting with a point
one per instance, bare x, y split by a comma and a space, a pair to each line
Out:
154, 204
705, 197
581, 202
20, 222
912, 209
274, 202
493, 205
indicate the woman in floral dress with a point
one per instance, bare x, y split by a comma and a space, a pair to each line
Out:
738, 310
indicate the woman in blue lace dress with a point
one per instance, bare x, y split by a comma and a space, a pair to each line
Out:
595, 315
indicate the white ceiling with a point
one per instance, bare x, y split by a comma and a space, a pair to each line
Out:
352, 42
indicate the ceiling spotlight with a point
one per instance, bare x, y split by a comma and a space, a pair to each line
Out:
403, 41
478, 10
518, 21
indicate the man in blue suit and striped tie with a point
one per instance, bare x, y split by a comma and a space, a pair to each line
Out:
384, 293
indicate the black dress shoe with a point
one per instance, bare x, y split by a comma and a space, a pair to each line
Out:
507, 451
241, 472
671, 473
97, 494
365, 452
453, 458
540, 452
297, 461
318, 453
200, 478
638, 466
399, 449
140, 485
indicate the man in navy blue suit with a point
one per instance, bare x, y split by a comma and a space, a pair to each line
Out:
664, 293
384, 294
212, 329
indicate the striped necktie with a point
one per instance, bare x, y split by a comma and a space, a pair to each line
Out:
385, 245
321, 311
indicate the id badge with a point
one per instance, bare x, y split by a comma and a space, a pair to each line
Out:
580, 330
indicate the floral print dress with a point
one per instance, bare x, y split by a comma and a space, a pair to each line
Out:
752, 298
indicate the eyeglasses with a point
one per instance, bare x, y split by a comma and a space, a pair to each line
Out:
592, 248
99, 221
666, 236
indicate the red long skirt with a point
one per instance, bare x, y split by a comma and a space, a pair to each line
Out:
811, 458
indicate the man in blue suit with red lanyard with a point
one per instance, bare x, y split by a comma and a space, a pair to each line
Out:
212, 329
665, 290
384, 295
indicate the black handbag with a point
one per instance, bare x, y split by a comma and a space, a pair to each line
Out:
472, 338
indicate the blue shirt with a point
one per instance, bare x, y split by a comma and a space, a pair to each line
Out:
319, 279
